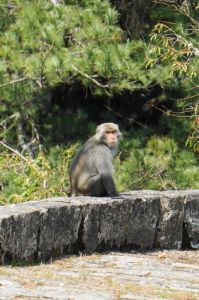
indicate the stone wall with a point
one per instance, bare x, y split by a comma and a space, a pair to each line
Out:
41, 230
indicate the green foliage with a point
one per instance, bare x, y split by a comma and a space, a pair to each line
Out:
193, 139
175, 48
45, 45
159, 165
155, 163
48, 48
25, 179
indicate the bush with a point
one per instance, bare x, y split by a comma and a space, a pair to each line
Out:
158, 165
26, 179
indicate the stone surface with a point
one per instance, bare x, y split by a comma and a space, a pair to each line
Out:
116, 224
41, 230
152, 275
191, 220
169, 235
18, 233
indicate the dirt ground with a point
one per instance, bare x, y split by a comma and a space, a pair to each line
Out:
136, 275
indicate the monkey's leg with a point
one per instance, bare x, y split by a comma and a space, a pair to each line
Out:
93, 187
109, 185
99, 185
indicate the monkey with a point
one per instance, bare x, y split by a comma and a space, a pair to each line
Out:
91, 169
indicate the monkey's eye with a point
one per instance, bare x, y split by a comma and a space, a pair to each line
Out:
110, 132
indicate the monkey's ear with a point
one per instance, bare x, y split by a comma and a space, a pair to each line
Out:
100, 132
99, 136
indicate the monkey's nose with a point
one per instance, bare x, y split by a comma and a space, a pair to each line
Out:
113, 141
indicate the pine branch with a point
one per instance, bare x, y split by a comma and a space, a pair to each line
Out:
13, 116
130, 120
90, 78
20, 80
14, 81
14, 151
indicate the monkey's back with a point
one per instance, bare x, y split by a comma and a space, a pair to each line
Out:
93, 157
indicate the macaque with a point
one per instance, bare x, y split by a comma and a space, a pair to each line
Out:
91, 170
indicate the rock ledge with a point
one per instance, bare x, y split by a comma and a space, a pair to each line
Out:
41, 230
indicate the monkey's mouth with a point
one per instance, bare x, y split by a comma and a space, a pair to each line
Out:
112, 145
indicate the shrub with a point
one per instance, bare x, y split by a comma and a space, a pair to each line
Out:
158, 165
26, 179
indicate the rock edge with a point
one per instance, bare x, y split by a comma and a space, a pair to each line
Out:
38, 231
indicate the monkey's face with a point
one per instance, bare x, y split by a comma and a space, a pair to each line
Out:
109, 134
111, 138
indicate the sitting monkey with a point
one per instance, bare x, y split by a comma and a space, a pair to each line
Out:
91, 169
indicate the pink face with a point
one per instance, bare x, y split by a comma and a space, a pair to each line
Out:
111, 138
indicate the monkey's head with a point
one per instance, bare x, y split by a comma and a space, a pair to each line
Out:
109, 134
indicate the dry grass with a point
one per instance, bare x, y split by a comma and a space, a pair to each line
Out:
80, 272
